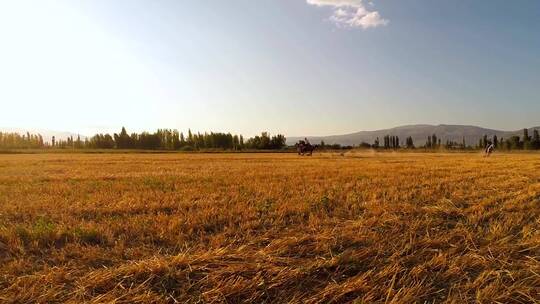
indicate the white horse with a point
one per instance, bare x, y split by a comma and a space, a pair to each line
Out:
489, 150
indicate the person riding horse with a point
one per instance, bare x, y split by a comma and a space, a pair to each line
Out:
489, 149
304, 146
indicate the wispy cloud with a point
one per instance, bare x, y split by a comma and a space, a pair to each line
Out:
352, 13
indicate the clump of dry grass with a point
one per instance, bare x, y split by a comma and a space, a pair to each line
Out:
266, 228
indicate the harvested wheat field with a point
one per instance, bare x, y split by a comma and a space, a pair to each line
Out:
270, 228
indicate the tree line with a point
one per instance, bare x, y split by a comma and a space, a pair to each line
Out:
524, 142
162, 139
18, 141
168, 139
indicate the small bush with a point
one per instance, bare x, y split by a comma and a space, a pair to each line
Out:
89, 236
187, 149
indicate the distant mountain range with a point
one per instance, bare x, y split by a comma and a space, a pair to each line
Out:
47, 134
419, 133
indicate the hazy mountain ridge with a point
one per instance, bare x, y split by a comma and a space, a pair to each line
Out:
419, 133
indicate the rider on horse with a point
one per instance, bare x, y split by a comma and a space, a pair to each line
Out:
304, 146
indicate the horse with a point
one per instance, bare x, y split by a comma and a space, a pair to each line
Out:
489, 149
304, 148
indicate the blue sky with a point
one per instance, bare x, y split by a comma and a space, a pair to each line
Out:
298, 67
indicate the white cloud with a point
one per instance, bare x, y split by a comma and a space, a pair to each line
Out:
352, 13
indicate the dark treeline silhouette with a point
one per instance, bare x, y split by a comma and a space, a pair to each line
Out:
409, 144
391, 142
167, 139
525, 142
162, 139
266, 142
434, 142
324, 146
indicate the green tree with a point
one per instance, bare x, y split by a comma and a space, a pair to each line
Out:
513, 143
536, 139
409, 142
182, 140
190, 139
527, 145
123, 140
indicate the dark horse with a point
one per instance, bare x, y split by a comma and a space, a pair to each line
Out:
305, 148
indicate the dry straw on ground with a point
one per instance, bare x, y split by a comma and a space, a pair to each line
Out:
266, 228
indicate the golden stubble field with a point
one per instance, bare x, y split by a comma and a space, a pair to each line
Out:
270, 228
